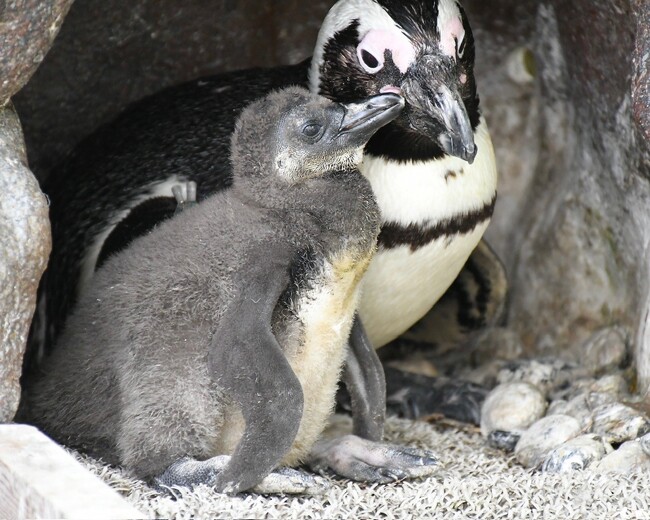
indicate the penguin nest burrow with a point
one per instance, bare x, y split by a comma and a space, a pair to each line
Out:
564, 88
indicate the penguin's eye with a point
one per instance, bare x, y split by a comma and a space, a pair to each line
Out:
368, 60
311, 129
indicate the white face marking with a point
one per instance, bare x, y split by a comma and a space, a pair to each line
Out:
377, 41
372, 17
450, 27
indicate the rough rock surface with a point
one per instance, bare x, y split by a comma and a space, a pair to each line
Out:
27, 29
24, 248
572, 221
109, 54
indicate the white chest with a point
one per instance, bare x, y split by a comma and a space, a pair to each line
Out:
326, 316
402, 284
315, 346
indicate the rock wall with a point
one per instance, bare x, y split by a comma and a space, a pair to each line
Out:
27, 30
572, 140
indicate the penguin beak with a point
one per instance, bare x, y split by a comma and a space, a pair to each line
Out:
362, 120
437, 109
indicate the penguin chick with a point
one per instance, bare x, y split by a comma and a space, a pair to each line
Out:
224, 330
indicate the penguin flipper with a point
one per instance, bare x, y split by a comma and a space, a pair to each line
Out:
364, 379
363, 460
247, 362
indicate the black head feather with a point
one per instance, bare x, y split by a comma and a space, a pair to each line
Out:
342, 78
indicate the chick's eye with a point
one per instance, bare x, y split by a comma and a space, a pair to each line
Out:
311, 129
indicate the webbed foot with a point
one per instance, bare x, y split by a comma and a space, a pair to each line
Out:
367, 461
188, 473
185, 199
414, 396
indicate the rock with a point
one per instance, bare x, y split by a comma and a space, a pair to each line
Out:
546, 374
511, 407
27, 31
544, 436
604, 351
629, 457
25, 244
502, 440
645, 443
613, 384
579, 409
573, 389
598, 399
617, 423
576, 454
559, 406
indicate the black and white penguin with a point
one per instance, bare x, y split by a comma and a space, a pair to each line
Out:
432, 170
209, 350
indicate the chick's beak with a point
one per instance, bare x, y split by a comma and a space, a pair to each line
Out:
437, 109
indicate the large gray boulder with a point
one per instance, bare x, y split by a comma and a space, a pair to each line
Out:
27, 30
24, 248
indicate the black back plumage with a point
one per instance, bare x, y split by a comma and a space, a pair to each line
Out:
183, 131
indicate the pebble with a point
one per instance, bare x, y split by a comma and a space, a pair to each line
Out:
501, 440
617, 423
511, 407
576, 454
645, 444
629, 457
544, 436
546, 374
613, 384
578, 408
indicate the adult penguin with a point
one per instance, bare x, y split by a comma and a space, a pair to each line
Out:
432, 169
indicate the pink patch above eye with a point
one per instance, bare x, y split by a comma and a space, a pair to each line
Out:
378, 41
452, 32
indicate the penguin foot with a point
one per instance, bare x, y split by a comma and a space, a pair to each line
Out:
185, 199
292, 482
187, 472
414, 396
368, 461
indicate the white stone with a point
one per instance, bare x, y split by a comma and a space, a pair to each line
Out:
627, 458
616, 422
544, 436
511, 407
576, 454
